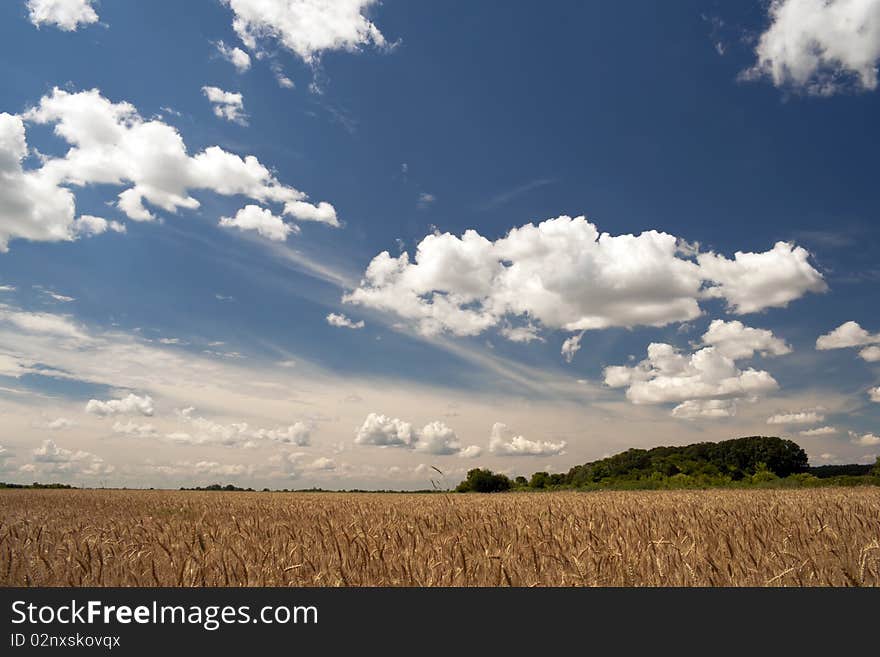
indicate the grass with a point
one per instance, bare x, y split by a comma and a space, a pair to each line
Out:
818, 537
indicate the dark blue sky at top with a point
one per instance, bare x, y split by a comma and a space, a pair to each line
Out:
506, 112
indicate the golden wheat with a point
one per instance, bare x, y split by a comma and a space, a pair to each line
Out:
826, 537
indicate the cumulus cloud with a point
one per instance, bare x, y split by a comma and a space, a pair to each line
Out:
88, 225
341, 321
564, 274
321, 464
799, 417
735, 340
818, 431
235, 56
503, 442
470, 452
203, 468
203, 431
870, 354
693, 409
434, 438
294, 464
866, 440
755, 281
384, 431
134, 429
66, 15
32, 205
306, 27
874, 394
226, 104
131, 404
438, 438
111, 144
820, 47
851, 334
59, 423
253, 217
49, 458
709, 373
848, 334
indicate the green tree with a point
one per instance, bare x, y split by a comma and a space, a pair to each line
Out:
484, 481
539, 480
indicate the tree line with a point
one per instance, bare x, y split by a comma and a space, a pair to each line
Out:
753, 460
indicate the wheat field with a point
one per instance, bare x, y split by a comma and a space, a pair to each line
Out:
825, 537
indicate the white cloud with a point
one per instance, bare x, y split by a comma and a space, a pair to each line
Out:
434, 438
58, 297
527, 333
253, 217
438, 438
870, 354
709, 373
799, 417
49, 458
471, 452
66, 15
321, 464
735, 340
59, 423
213, 468
755, 281
88, 225
131, 404
235, 56
866, 440
705, 408
820, 46
298, 433
564, 274
570, 346
341, 321
32, 205
874, 394
306, 27
202, 431
818, 431
60, 326
850, 334
111, 144
226, 104
134, 429
384, 431
502, 442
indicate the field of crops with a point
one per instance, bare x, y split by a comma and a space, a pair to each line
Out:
652, 538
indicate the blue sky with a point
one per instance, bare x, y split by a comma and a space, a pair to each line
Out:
213, 351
